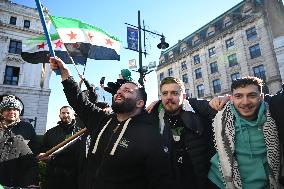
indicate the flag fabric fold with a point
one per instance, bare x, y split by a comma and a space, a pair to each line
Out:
82, 39
35, 50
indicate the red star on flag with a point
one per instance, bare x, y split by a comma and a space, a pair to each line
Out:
41, 46
72, 35
109, 42
76, 45
58, 44
90, 36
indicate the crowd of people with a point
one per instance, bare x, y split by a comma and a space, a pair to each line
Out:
231, 142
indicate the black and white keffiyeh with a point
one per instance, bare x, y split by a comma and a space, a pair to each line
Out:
224, 138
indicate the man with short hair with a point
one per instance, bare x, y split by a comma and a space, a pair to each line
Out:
61, 169
188, 135
126, 150
246, 140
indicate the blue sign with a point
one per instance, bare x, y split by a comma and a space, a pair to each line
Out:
132, 38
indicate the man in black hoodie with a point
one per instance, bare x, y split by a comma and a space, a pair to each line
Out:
126, 150
61, 169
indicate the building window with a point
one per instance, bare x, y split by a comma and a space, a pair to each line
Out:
185, 78
235, 76
259, 72
213, 67
251, 33
15, 47
187, 92
230, 43
196, 42
198, 73
200, 91
254, 51
161, 76
227, 23
217, 86
11, 75
183, 49
183, 66
170, 71
232, 60
196, 59
13, 20
210, 33
27, 24
211, 51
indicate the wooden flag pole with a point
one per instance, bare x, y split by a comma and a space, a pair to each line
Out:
46, 33
49, 152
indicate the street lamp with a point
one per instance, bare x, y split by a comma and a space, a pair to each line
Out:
162, 45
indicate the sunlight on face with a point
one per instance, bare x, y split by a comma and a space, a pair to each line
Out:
172, 97
11, 114
247, 100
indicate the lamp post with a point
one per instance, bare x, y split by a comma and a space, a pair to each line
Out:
161, 45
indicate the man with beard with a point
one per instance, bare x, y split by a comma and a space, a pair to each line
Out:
61, 168
126, 150
188, 135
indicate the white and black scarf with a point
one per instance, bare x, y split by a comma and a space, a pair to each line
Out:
224, 138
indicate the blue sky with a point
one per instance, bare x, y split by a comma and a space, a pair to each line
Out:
175, 19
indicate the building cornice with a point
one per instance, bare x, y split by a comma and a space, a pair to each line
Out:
21, 29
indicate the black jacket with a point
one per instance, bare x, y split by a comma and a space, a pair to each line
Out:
140, 161
18, 165
276, 104
198, 144
27, 131
61, 170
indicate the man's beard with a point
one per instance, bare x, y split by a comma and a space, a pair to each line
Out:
66, 120
171, 111
123, 107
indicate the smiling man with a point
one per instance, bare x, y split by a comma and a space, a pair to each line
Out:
126, 150
247, 143
61, 168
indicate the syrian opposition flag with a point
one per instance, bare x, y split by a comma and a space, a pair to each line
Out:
82, 39
35, 50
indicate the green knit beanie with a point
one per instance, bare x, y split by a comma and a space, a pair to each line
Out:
126, 74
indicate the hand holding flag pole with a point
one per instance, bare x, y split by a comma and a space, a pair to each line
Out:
42, 18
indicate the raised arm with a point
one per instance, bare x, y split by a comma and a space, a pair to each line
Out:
83, 107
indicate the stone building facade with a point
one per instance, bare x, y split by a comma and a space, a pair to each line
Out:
246, 40
17, 77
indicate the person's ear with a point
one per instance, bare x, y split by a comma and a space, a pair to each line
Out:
230, 97
140, 103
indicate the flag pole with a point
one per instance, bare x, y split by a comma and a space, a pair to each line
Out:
79, 133
46, 33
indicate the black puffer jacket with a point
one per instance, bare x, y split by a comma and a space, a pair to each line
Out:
18, 165
198, 144
140, 160
61, 170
